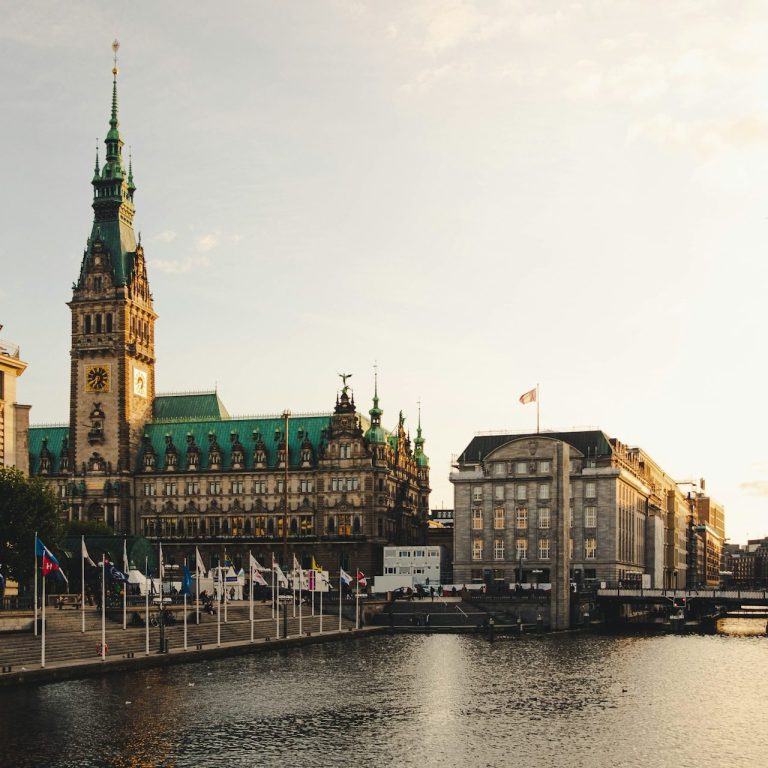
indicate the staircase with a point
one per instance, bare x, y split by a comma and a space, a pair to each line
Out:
64, 640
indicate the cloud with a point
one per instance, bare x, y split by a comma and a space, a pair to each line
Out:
180, 266
755, 487
167, 236
447, 24
208, 241
705, 137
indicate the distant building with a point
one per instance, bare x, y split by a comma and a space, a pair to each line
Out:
14, 417
622, 515
412, 565
440, 534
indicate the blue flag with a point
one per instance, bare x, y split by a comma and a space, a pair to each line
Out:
186, 584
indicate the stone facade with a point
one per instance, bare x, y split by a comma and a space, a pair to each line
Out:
335, 486
626, 517
14, 417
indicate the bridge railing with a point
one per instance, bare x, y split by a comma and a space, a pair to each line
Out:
732, 594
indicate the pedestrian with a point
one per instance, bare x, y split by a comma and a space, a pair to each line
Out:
432, 594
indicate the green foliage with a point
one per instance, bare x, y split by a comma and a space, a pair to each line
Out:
88, 528
26, 505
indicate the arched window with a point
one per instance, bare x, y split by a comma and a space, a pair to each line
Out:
331, 525
356, 525
87, 324
98, 323
109, 322
294, 526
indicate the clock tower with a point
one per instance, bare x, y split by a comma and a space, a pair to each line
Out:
112, 383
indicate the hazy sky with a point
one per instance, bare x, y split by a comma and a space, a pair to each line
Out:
479, 196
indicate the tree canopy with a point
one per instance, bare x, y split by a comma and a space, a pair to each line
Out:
26, 505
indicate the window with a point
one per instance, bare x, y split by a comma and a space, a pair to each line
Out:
575, 465
544, 467
477, 519
149, 489
306, 486
590, 517
590, 548
238, 486
544, 517
259, 486
109, 322
170, 489
521, 492
498, 549
214, 487
280, 486
544, 549
344, 451
98, 323
498, 492
521, 468
498, 518
543, 491
477, 493
521, 517
87, 324
345, 484
521, 548
477, 549
590, 490
570, 548
193, 487
499, 468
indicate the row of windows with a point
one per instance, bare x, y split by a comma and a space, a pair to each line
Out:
521, 493
97, 323
521, 549
216, 487
541, 467
521, 518
260, 525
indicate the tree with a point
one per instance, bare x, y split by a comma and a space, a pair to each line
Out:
27, 505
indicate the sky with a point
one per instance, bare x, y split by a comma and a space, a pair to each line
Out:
476, 196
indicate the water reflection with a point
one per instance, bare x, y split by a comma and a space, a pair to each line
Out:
439, 700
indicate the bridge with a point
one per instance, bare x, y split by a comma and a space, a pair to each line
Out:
714, 602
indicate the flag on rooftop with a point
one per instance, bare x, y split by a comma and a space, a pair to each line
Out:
528, 397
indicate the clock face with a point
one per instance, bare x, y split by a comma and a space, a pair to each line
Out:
139, 382
97, 378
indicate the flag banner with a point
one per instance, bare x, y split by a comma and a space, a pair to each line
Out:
279, 575
528, 397
199, 565
296, 567
114, 573
311, 574
126, 566
186, 581
361, 580
315, 566
257, 565
345, 577
50, 563
85, 554
227, 560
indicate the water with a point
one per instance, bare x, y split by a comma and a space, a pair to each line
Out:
408, 700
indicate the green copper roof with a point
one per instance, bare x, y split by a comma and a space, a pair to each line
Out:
270, 430
191, 406
55, 440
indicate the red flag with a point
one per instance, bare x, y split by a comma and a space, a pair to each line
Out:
361, 580
49, 564
528, 397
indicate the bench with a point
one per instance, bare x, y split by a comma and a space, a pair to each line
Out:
74, 600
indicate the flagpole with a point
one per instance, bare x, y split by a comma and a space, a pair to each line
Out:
35, 600
341, 595
146, 604
275, 604
357, 600
293, 586
197, 586
321, 608
42, 656
218, 612
250, 569
125, 583
300, 598
314, 585
186, 570
82, 584
537, 409
103, 607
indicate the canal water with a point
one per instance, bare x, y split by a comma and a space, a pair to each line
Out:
415, 700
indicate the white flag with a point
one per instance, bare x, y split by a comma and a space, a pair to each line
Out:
279, 575
160, 569
255, 572
126, 566
257, 565
85, 554
528, 397
199, 565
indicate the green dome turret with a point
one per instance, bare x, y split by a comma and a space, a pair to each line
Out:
422, 460
375, 433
